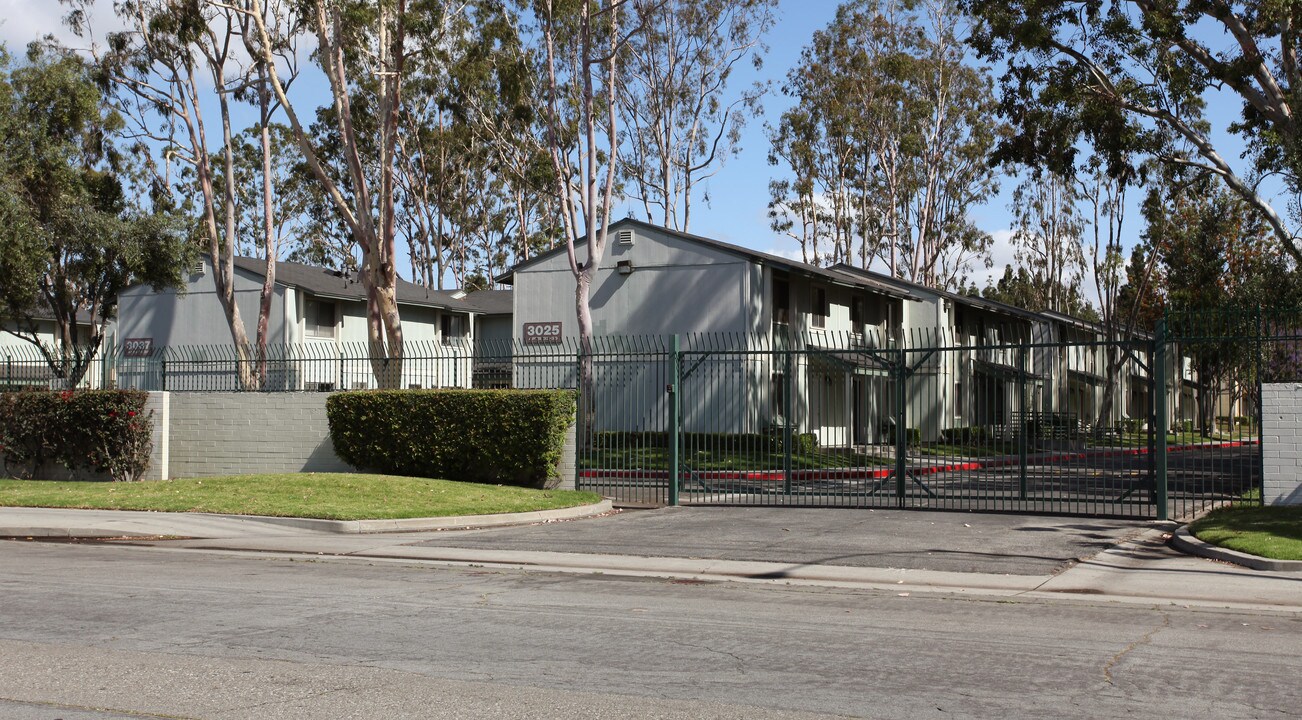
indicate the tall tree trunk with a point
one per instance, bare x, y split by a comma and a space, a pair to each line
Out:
269, 242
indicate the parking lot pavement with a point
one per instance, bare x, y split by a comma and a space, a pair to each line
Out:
944, 541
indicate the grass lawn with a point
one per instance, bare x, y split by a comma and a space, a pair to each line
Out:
657, 458
947, 450
333, 496
1270, 532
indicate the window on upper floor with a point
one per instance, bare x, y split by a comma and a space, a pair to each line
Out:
819, 310
781, 300
452, 328
321, 318
856, 314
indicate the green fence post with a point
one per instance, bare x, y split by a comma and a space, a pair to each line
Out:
787, 420
1160, 419
162, 374
1021, 415
901, 423
675, 416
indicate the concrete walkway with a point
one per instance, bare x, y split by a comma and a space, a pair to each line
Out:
965, 553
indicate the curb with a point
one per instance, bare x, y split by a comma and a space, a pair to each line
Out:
1185, 542
459, 522
339, 527
69, 533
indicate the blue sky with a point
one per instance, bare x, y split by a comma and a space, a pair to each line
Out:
739, 191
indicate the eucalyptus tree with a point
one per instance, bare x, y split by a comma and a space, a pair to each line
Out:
1048, 236
74, 236
364, 49
680, 120
1123, 289
166, 72
1134, 79
887, 145
471, 154
582, 46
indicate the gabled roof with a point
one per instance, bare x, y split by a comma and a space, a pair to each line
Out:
1088, 324
333, 284
981, 303
490, 302
42, 311
794, 267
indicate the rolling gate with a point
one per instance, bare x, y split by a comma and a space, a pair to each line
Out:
1117, 429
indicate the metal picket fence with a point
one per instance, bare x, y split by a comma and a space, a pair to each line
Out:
1153, 426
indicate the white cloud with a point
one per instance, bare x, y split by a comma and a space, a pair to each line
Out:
787, 253
25, 21
1002, 254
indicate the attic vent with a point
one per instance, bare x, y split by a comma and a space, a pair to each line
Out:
197, 269
624, 237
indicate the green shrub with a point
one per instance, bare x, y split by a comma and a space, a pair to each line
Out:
914, 436
1132, 425
509, 437
963, 435
806, 443
85, 431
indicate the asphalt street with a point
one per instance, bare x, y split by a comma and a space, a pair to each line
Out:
955, 542
103, 631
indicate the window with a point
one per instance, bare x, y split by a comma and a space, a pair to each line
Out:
856, 314
320, 318
781, 300
452, 327
819, 310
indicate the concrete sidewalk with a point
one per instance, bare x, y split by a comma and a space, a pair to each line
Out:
902, 551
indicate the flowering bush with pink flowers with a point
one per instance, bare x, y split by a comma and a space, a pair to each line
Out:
105, 432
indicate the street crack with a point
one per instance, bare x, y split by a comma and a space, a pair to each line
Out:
1144, 640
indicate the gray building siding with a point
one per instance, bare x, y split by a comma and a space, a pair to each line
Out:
712, 291
194, 315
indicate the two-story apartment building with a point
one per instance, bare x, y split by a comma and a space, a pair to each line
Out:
317, 327
23, 365
770, 341
969, 370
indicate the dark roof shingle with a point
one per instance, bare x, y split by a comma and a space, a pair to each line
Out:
776, 261
324, 282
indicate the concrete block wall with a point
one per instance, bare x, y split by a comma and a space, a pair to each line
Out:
1281, 437
237, 433
159, 404
568, 466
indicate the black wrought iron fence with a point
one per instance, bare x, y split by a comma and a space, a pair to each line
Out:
1150, 426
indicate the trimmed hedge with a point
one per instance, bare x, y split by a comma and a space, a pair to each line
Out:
85, 431
508, 437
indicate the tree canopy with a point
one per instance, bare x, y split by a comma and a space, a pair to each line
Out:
1134, 80
76, 231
